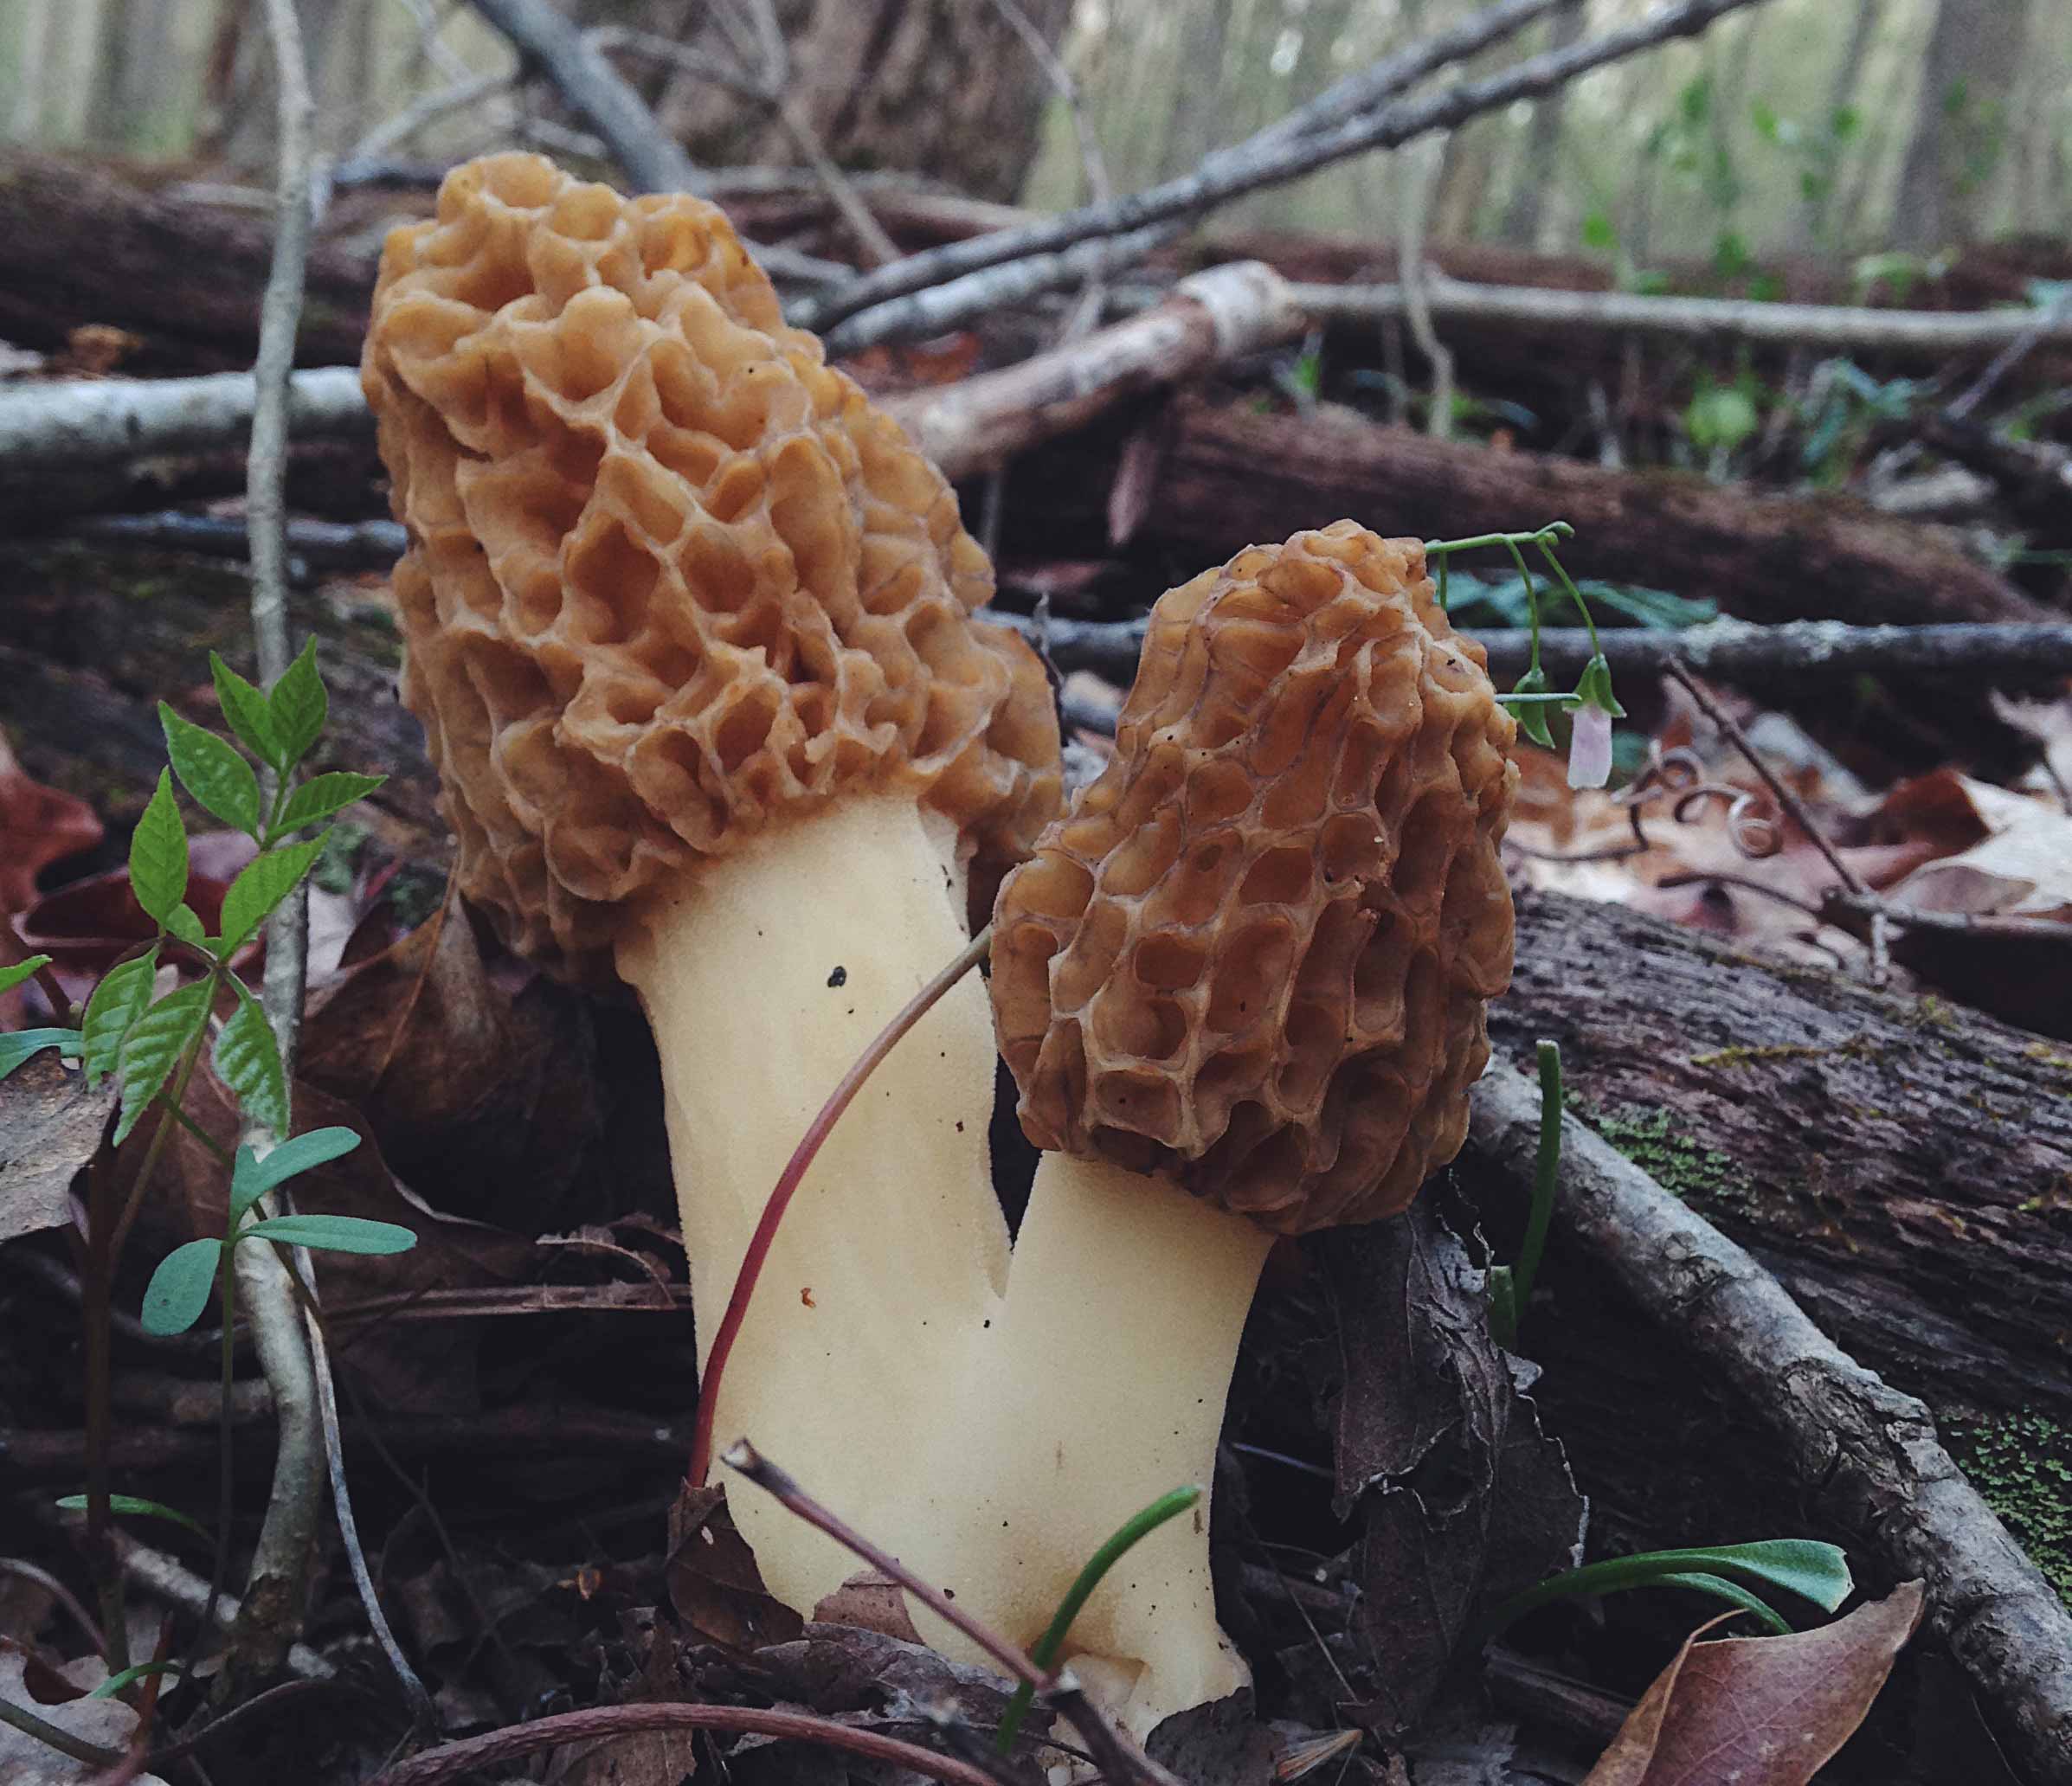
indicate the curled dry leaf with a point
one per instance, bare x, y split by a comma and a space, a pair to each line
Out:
1761, 1710
714, 1583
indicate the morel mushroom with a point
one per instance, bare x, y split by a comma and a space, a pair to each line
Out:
1241, 986
689, 629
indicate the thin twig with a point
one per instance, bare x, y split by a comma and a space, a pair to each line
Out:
58, 1591
276, 1586
1787, 802
1116, 1754
429, 110
1251, 166
454, 1761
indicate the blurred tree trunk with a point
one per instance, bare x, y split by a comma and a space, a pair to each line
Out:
1961, 125
1521, 225
942, 87
1814, 217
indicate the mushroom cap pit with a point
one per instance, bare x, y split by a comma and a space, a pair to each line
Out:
670, 578
1255, 954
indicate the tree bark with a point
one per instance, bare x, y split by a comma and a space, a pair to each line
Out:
1961, 122
1229, 477
1903, 1165
1521, 225
933, 87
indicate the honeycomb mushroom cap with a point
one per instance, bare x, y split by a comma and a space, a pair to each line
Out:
670, 577
1255, 954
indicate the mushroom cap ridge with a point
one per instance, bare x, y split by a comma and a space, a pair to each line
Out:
670, 579
1255, 953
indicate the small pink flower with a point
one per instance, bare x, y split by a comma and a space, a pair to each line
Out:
1590, 746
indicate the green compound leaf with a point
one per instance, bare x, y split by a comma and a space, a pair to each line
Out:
252, 1177
179, 1289
135, 1505
245, 711
12, 977
117, 1003
17, 1045
322, 795
334, 1234
219, 779
297, 708
154, 1043
265, 881
159, 853
248, 1060
187, 927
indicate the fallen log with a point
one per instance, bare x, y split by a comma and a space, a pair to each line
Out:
1864, 1455
1224, 476
79, 245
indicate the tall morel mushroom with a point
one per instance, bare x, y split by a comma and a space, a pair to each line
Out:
689, 629
1241, 986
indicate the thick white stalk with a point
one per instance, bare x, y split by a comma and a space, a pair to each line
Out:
1099, 1388
764, 979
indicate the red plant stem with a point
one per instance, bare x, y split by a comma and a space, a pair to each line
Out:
776, 1480
454, 1760
788, 1182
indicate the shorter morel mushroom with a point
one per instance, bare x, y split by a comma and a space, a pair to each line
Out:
1241, 986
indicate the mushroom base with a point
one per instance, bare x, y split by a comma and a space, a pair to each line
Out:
763, 982
1100, 1388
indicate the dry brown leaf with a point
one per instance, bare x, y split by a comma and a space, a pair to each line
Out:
714, 1581
38, 826
49, 1126
1761, 1710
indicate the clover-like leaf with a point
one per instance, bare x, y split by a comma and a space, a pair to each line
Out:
245, 711
179, 1289
156, 1040
322, 795
219, 779
334, 1234
265, 881
252, 1177
159, 853
248, 1060
297, 708
117, 1003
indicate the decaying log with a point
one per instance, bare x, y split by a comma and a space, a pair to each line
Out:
1226, 476
93, 421
80, 246
1901, 1164
1864, 1454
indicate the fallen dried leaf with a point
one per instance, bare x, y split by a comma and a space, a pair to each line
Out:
38, 826
714, 1583
50, 1125
1463, 1499
1761, 1710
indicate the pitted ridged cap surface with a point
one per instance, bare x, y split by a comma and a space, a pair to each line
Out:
1255, 954
670, 578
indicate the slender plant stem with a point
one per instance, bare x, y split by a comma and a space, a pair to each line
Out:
455, 1761
788, 1182
62, 1740
225, 1496
96, 1309
1546, 1173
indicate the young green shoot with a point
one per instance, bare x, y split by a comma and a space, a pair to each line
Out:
1812, 1571
1511, 1286
1048, 1649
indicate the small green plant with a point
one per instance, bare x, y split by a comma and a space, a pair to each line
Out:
1722, 418
151, 1045
1592, 704
1801, 1566
1511, 1286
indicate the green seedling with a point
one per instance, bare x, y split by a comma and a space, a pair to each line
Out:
1800, 1566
